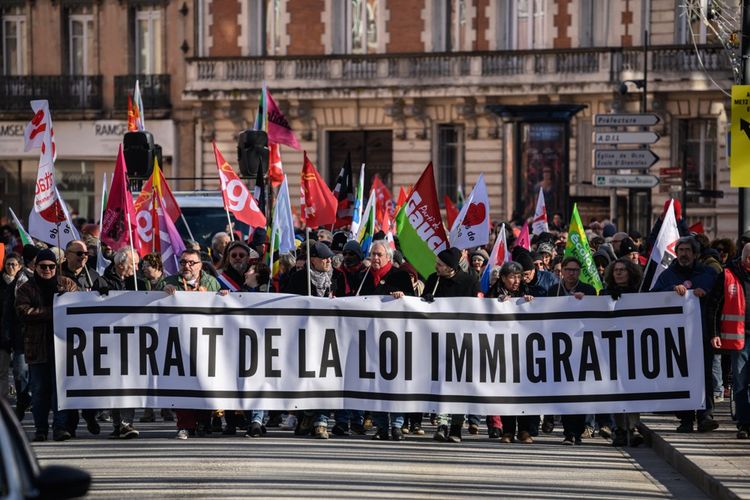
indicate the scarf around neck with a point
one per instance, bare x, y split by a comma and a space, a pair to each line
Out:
378, 274
321, 282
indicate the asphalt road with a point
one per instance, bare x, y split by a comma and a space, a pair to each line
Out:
281, 465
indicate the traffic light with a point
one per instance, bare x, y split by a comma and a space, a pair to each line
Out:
139, 151
252, 152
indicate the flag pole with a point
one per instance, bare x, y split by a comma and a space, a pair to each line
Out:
132, 253
307, 260
645, 273
101, 220
184, 221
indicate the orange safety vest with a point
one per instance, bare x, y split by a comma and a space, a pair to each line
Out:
732, 322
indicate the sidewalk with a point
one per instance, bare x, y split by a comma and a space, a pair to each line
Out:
716, 462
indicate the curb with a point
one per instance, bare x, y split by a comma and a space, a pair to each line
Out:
699, 477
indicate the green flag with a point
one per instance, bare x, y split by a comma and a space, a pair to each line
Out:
25, 238
578, 247
419, 225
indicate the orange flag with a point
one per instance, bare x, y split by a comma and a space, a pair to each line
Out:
132, 116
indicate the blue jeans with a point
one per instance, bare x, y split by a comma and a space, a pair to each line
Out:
44, 399
717, 376
255, 416
320, 417
741, 383
347, 417
380, 419
21, 379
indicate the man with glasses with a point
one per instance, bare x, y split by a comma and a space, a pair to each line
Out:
74, 267
571, 285
34, 308
191, 278
237, 274
11, 266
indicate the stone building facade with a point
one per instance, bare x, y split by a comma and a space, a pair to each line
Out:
504, 87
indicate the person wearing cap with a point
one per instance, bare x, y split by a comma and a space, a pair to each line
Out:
478, 260
686, 273
539, 281
547, 251
323, 281
449, 280
236, 273
34, 308
235, 264
629, 250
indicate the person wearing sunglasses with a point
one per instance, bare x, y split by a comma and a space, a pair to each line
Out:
10, 269
34, 308
191, 278
74, 267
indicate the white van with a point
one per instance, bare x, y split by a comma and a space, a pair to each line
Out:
204, 212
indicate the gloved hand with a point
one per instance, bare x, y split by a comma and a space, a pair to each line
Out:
428, 298
615, 295
104, 290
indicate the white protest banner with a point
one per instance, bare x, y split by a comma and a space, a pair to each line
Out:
642, 352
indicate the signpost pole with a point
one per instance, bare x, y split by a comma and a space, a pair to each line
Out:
744, 193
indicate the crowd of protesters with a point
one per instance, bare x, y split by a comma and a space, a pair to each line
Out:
718, 272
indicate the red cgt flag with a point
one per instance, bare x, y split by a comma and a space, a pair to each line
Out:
319, 205
237, 197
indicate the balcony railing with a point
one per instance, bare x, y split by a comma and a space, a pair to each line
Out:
64, 92
154, 91
554, 66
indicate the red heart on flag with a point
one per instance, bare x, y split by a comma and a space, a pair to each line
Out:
475, 214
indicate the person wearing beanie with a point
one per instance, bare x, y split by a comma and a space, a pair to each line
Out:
629, 250
353, 265
538, 281
547, 251
339, 240
449, 280
34, 308
608, 230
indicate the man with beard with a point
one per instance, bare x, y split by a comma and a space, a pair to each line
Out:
235, 264
683, 274
449, 280
324, 281
191, 278
238, 275
34, 307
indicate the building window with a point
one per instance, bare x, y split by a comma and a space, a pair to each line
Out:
450, 29
265, 27
14, 41
149, 51
374, 148
274, 27
356, 26
543, 149
529, 28
594, 24
450, 160
696, 153
82, 60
